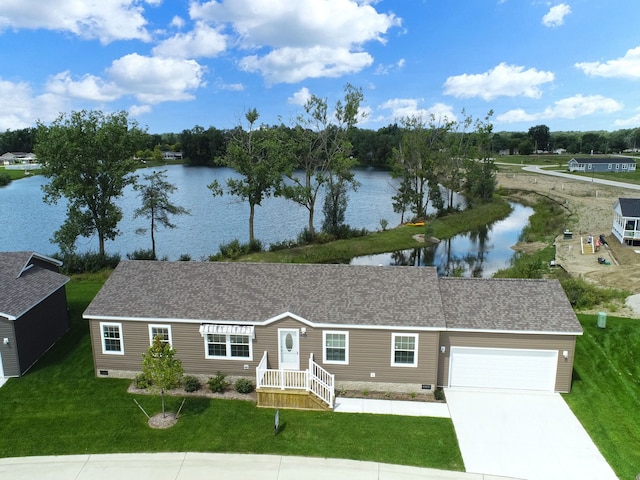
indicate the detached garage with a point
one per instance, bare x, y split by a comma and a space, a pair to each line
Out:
522, 339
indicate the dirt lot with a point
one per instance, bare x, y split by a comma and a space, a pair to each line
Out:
591, 213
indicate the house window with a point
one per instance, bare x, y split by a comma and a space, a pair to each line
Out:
404, 350
221, 345
335, 347
610, 166
624, 166
112, 343
163, 331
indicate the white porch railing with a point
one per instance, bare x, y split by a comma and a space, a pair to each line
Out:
315, 379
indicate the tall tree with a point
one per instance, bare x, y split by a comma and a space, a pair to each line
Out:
88, 156
258, 155
156, 205
161, 368
419, 160
540, 137
480, 179
323, 150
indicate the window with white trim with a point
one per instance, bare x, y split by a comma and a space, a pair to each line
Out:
404, 350
227, 345
163, 331
112, 342
335, 347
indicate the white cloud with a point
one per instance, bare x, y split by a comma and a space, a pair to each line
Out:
104, 20
89, 87
301, 97
21, 106
624, 67
630, 122
203, 41
555, 16
302, 38
402, 108
566, 108
502, 80
137, 110
154, 80
386, 69
291, 65
177, 22
230, 87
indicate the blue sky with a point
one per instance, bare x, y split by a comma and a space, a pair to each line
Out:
571, 65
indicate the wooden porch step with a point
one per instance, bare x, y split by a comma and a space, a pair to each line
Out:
294, 399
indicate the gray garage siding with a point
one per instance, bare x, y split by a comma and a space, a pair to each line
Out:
511, 340
9, 353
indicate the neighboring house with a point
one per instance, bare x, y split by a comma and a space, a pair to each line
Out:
602, 164
352, 327
33, 309
17, 157
626, 221
172, 155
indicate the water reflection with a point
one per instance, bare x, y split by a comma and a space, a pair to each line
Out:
480, 253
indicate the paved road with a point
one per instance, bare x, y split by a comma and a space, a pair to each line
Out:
601, 181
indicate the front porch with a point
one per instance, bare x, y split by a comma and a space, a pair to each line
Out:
310, 389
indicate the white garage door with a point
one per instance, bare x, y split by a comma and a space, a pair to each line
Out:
503, 368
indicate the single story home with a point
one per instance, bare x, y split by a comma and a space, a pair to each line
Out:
33, 309
328, 327
602, 164
626, 221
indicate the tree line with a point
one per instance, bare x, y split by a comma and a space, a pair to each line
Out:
90, 157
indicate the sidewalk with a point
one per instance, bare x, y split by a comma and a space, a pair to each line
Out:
391, 407
196, 466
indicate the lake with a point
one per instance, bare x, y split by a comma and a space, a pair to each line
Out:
480, 253
27, 223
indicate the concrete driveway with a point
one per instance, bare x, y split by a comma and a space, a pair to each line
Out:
523, 435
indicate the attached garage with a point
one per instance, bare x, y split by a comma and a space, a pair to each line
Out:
519, 369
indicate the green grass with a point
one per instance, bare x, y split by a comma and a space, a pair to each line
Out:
606, 390
61, 408
400, 238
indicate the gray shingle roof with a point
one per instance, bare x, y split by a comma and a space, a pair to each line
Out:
24, 283
246, 292
630, 207
410, 297
508, 305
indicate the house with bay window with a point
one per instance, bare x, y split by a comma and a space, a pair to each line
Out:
303, 331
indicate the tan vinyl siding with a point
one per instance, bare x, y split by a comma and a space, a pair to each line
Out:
369, 351
511, 340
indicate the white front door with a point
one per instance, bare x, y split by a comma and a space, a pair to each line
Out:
289, 347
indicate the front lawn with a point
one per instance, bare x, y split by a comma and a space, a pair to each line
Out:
606, 390
61, 408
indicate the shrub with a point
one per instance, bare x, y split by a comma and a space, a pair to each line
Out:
218, 383
190, 383
438, 393
142, 254
384, 223
5, 179
185, 257
89, 262
141, 381
244, 385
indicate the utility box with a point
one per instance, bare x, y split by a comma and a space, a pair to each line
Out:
602, 320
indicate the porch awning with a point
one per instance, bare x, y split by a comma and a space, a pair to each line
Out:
209, 328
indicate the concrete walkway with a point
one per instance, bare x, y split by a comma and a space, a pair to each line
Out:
391, 407
196, 466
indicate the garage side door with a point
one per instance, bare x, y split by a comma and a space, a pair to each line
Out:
503, 368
